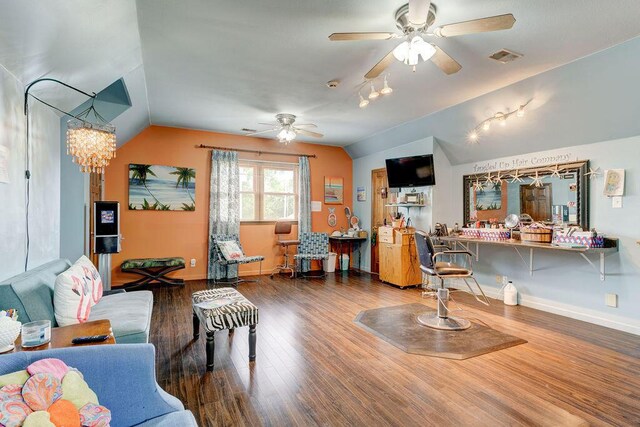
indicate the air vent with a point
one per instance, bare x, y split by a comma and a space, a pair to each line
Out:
248, 130
505, 56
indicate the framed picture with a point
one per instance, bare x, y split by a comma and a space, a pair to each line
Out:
614, 182
489, 198
161, 188
361, 194
333, 190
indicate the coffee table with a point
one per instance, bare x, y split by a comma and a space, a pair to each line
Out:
61, 337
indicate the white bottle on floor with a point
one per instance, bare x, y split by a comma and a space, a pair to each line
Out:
510, 294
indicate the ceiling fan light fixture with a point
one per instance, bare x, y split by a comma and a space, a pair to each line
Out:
386, 90
411, 52
363, 102
286, 135
374, 94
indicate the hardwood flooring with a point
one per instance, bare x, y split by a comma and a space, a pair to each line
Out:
315, 366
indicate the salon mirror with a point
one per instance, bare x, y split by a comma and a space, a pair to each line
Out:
559, 195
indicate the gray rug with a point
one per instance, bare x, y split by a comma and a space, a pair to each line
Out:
398, 326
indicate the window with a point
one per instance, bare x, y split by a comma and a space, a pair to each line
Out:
268, 191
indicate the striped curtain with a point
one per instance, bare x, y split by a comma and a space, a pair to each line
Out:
304, 205
224, 207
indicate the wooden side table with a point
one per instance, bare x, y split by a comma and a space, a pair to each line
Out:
61, 337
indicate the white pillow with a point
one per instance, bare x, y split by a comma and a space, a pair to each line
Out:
76, 290
230, 250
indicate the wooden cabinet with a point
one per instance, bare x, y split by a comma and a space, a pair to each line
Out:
399, 258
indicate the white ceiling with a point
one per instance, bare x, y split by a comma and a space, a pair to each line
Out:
224, 65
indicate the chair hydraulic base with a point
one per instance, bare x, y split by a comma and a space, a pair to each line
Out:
441, 319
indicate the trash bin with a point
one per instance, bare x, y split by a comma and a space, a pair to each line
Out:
330, 262
344, 262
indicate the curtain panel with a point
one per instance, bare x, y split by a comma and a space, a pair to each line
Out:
304, 205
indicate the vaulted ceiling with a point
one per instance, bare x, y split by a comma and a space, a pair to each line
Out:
226, 65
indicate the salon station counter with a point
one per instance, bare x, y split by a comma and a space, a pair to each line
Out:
472, 245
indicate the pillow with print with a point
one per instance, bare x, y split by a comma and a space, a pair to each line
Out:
76, 290
230, 250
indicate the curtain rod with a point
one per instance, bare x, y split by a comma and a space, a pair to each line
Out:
210, 147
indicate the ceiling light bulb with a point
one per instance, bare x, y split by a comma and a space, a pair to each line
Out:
363, 102
486, 125
401, 51
520, 112
503, 122
386, 90
374, 94
473, 136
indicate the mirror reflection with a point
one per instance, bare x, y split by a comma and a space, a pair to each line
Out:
553, 194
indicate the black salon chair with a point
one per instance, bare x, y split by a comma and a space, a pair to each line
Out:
433, 264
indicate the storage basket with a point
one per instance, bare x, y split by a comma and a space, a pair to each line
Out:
536, 235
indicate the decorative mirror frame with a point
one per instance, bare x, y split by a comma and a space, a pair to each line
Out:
580, 168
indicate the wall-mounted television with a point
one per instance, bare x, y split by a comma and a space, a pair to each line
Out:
415, 171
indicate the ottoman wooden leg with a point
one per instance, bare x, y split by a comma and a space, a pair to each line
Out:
231, 331
196, 327
252, 343
210, 350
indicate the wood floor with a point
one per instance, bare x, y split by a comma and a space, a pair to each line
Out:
315, 366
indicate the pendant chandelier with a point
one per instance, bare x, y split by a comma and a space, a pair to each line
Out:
91, 140
92, 145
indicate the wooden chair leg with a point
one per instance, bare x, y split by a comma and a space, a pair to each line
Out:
252, 343
211, 346
196, 326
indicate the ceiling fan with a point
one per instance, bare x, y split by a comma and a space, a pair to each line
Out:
414, 20
286, 129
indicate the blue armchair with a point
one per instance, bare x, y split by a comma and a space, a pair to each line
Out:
221, 265
312, 246
123, 377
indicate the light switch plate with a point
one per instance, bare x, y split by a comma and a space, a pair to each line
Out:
611, 300
193, 262
616, 202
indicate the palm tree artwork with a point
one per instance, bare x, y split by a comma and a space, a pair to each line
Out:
161, 188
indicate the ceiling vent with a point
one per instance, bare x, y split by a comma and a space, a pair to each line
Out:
248, 130
504, 56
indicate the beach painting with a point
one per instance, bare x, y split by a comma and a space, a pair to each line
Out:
161, 188
489, 198
333, 190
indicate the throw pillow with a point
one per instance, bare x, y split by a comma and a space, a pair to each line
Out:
76, 290
230, 250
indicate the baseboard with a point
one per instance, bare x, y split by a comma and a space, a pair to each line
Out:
619, 323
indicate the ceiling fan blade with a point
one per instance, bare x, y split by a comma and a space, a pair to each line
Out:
380, 66
446, 63
492, 23
309, 125
307, 132
261, 132
268, 124
418, 12
335, 37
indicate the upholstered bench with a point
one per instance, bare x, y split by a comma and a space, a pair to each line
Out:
152, 269
220, 309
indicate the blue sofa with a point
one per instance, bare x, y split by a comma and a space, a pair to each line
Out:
31, 293
123, 377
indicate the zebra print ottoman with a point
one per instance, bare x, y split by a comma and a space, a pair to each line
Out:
220, 309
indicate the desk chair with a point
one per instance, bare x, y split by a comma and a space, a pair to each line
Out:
433, 267
283, 228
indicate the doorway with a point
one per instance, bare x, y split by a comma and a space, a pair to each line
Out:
379, 210
536, 201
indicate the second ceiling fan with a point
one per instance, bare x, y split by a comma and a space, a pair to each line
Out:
414, 20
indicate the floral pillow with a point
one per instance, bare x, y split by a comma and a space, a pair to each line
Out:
230, 250
76, 290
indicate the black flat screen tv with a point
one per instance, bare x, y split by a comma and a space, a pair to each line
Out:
415, 171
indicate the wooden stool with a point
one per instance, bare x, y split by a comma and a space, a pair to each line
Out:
220, 309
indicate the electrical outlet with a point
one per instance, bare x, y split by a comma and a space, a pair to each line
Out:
616, 202
499, 279
611, 300
193, 262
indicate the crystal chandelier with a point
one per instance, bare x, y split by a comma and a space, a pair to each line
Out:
92, 145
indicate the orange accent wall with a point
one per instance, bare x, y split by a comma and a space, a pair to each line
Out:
150, 234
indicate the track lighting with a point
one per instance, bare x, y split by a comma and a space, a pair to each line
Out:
363, 102
500, 117
386, 90
374, 94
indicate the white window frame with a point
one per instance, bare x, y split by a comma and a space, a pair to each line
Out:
258, 188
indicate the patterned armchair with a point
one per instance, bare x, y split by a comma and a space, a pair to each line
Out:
312, 246
222, 267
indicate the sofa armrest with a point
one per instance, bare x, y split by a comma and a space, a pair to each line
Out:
123, 377
113, 291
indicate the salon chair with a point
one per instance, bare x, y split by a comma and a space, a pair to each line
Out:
441, 266
283, 228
